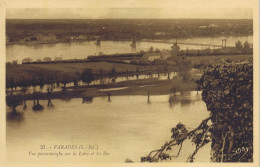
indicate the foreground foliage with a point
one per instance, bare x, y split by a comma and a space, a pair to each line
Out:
227, 90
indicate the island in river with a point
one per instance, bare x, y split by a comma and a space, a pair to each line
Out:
134, 89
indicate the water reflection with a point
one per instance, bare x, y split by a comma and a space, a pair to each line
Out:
176, 98
38, 46
15, 116
37, 106
24, 104
66, 99
49, 103
186, 102
87, 99
148, 98
109, 97
127, 116
13, 101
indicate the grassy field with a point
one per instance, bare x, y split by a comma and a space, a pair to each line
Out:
71, 67
26, 71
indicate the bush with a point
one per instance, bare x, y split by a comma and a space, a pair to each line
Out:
228, 93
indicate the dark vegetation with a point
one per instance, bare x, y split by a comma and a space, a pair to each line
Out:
12, 102
39, 74
238, 50
228, 93
227, 90
124, 29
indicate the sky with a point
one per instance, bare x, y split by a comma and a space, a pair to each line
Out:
128, 13
102, 9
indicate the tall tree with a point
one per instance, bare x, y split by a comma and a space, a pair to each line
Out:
88, 76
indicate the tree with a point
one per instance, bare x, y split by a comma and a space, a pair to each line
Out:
76, 78
239, 45
113, 74
87, 76
246, 48
227, 89
37, 106
184, 67
13, 101
10, 82
142, 51
151, 49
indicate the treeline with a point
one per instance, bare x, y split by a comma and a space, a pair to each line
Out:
124, 29
239, 49
220, 51
62, 79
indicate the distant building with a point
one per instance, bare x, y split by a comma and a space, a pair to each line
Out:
157, 55
209, 26
159, 33
203, 27
213, 26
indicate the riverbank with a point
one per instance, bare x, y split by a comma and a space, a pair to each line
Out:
154, 86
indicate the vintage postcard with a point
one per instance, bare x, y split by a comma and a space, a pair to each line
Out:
139, 83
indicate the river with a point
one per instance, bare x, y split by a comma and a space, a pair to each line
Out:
126, 127
81, 50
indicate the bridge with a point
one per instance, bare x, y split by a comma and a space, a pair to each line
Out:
184, 43
199, 44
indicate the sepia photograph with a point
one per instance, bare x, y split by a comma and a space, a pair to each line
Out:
130, 84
